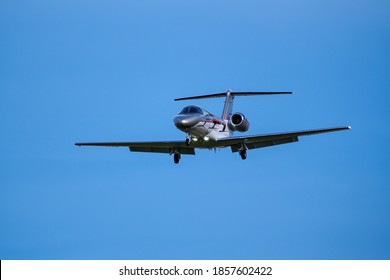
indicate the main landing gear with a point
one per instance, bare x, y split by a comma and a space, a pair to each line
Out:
176, 158
243, 154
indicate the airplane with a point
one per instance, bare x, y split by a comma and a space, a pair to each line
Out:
207, 131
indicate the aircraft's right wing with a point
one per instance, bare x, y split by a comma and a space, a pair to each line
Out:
167, 147
265, 140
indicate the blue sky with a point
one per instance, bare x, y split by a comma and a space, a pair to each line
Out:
109, 70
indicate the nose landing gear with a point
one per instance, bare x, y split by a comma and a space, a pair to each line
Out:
188, 139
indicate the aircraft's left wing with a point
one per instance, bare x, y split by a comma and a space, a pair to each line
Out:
168, 147
265, 140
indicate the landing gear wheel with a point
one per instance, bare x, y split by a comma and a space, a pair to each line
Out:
176, 158
243, 154
188, 141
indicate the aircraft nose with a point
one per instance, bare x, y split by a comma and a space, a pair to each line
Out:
182, 122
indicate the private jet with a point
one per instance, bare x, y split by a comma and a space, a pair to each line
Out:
206, 131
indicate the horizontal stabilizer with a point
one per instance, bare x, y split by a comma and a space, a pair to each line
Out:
243, 93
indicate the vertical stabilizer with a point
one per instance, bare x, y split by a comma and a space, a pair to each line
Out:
228, 107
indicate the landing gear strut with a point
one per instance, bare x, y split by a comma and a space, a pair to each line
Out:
176, 158
188, 139
243, 154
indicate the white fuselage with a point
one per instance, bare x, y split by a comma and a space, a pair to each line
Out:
202, 128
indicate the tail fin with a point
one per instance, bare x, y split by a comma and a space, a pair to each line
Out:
228, 107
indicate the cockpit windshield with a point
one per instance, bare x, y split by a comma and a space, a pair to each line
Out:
191, 110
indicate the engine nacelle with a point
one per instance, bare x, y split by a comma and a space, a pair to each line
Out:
238, 122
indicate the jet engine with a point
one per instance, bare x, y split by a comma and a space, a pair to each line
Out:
238, 122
